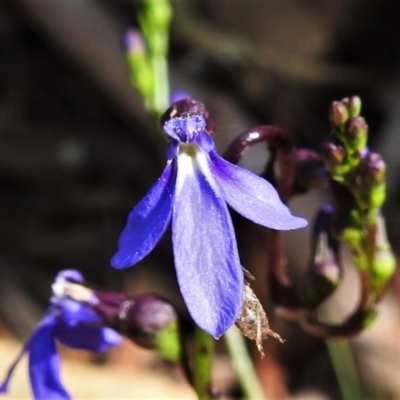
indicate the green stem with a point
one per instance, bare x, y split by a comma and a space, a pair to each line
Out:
345, 369
243, 365
202, 363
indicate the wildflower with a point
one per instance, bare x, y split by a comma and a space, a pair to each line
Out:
70, 323
193, 191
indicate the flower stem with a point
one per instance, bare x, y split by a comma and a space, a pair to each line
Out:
243, 365
202, 363
345, 369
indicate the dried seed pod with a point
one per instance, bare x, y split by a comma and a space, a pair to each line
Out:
253, 322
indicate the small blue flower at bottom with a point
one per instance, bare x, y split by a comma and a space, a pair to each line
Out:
70, 323
193, 191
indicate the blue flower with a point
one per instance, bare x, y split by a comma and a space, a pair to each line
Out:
193, 191
72, 324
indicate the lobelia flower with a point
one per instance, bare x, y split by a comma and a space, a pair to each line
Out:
193, 191
69, 322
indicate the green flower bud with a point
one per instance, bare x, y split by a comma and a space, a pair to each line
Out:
354, 106
356, 134
377, 196
369, 318
347, 227
155, 20
158, 14
383, 264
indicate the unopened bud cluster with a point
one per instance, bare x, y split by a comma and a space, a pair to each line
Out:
359, 188
348, 159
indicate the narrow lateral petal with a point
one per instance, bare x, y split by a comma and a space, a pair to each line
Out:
206, 258
147, 222
71, 313
80, 328
85, 337
44, 364
252, 196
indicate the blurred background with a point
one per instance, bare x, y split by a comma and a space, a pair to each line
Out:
76, 154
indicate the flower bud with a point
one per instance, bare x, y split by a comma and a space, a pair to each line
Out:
354, 106
324, 273
384, 262
372, 170
158, 14
347, 227
338, 114
334, 157
148, 320
356, 134
371, 176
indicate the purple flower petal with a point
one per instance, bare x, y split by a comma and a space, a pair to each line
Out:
148, 221
252, 196
79, 327
71, 313
85, 337
206, 258
205, 142
44, 363
72, 275
185, 129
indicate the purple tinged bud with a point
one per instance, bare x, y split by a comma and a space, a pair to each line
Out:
133, 42
357, 133
325, 272
338, 114
371, 177
372, 170
325, 260
334, 157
